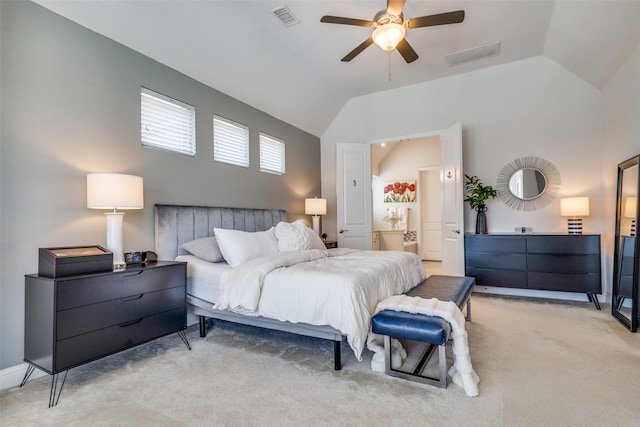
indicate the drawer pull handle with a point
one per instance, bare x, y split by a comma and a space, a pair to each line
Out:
133, 274
132, 298
133, 322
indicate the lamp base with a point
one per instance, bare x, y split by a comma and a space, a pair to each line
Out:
574, 225
316, 224
114, 237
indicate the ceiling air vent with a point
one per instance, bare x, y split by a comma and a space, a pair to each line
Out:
285, 16
491, 49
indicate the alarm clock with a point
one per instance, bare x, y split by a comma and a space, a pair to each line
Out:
133, 258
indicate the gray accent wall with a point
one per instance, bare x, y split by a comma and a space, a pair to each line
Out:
70, 105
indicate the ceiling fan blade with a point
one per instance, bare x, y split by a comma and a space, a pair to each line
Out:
407, 51
355, 52
394, 7
346, 21
439, 19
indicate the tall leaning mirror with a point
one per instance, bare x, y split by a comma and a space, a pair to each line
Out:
626, 267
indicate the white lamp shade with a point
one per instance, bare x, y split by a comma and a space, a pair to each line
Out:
631, 207
388, 36
315, 206
114, 191
574, 206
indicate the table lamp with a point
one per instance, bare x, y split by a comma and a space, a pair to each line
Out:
114, 191
315, 207
574, 207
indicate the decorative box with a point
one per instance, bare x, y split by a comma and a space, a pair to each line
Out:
58, 262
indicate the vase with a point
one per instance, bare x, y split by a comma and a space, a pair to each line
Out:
481, 220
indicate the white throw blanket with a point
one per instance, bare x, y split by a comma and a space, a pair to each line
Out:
461, 372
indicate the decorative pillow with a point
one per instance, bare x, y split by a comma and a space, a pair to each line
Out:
292, 236
238, 247
316, 241
205, 248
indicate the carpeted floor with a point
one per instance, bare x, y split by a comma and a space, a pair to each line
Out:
540, 364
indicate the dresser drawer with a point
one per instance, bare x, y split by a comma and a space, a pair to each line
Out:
501, 278
564, 245
92, 317
626, 266
626, 287
493, 244
83, 348
563, 263
496, 260
587, 282
99, 288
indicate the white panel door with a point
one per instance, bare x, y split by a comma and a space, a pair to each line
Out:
353, 168
430, 189
452, 201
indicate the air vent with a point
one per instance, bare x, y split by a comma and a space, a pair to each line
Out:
285, 16
491, 49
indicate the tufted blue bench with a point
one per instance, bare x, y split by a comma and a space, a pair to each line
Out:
431, 330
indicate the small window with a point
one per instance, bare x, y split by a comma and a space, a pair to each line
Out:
166, 123
230, 142
272, 158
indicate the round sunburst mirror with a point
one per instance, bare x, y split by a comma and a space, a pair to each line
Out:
528, 183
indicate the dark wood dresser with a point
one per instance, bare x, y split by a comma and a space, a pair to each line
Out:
549, 262
73, 320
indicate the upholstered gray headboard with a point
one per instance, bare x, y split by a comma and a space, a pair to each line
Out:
175, 224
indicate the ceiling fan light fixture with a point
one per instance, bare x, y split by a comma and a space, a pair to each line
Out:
388, 36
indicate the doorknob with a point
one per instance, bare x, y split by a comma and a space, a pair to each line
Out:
342, 231
457, 231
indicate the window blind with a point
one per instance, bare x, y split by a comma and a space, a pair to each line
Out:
272, 154
166, 123
230, 142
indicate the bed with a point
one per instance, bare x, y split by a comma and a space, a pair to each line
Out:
318, 304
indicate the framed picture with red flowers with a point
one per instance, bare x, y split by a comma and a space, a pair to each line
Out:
400, 192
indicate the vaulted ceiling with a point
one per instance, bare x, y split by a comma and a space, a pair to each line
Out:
295, 74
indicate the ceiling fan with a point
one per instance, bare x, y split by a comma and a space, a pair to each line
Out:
390, 27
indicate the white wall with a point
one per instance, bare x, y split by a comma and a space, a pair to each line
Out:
621, 134
621, 124
71, 105
531, 107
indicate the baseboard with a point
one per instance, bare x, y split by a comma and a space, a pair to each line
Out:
12, 377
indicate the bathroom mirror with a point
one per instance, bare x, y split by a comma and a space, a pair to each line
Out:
528, 183
626, 264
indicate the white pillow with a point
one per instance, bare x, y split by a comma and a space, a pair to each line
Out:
238, 247
316, 241
205, 248
292, 236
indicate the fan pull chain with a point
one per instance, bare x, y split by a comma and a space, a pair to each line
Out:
389, 75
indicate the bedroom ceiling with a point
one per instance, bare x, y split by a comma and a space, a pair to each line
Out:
295, 73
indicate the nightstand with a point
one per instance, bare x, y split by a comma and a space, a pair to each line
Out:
331, 244
73, 320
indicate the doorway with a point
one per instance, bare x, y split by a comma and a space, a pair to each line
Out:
354, 175
413, 161
430, 218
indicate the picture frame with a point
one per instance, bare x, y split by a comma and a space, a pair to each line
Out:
401, 191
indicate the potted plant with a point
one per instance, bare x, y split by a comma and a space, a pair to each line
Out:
477, 196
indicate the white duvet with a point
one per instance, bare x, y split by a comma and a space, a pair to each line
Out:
339, 288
